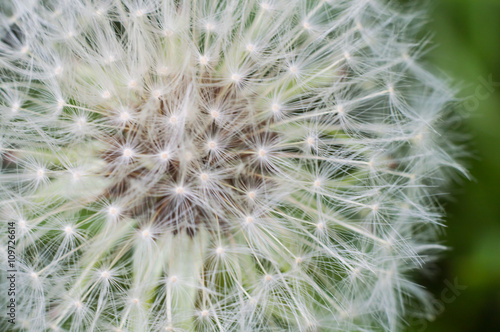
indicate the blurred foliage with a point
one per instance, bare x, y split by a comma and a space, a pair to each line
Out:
467, 35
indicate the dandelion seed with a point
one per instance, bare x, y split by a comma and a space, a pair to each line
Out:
60, 104
156, 94
164, 155
265, 6
214, 114
146, 234
113, 211
125, 116
132, 84
173, 119
128, 153
203, 60
163, 70
293, 69
209, 27
106, 94
15, 107
68, 230
212, 145
236, 78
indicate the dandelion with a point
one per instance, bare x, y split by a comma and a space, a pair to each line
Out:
219, 165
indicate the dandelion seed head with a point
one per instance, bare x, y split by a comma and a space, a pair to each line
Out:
205, 151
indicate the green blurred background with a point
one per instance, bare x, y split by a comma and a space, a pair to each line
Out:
467, 39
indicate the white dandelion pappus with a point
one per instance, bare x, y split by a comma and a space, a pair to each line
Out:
234, 165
